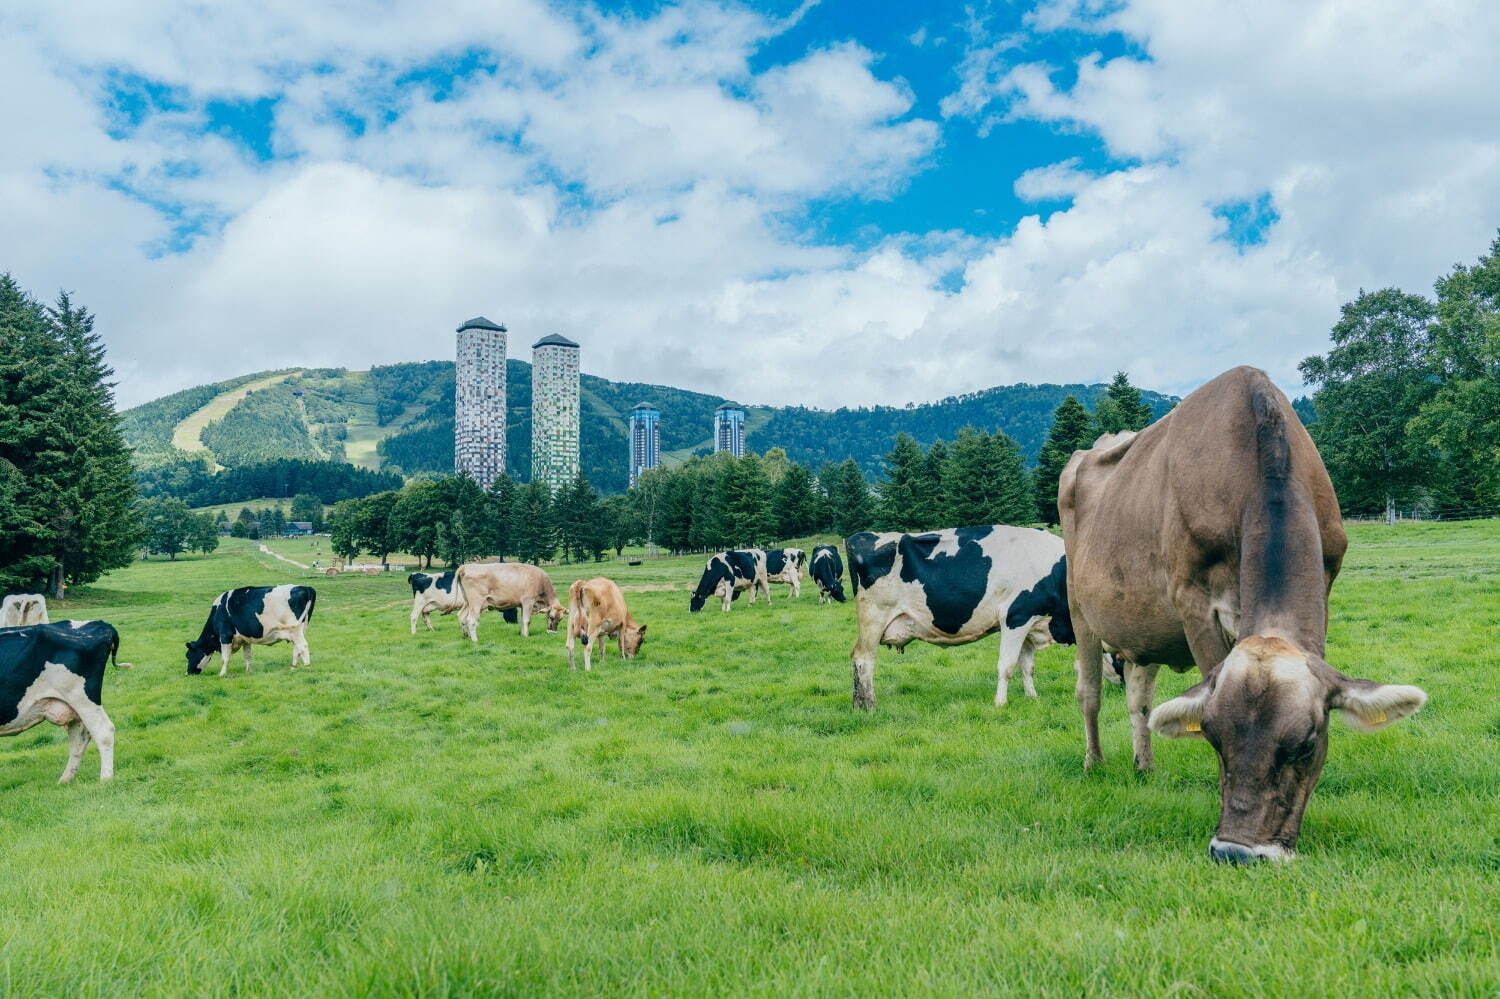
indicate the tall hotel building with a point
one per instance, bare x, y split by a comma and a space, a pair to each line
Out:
479, 402
554, 411
645, 439
729, 429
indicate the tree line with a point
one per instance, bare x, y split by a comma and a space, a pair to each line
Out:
193, 480
66, 491
1408, 398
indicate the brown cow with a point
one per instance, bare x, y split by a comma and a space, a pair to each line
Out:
506, 586
597, 609
1211, 539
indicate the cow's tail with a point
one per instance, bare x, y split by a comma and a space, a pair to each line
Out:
509, 615
114, 650
307, 612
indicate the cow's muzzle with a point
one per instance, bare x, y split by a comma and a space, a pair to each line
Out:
1226, 852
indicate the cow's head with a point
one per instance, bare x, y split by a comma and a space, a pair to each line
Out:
1265, 711
836, 590
555, 612
714, 574
631, 639
196, 653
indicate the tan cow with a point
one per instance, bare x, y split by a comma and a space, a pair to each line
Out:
1211, 539
597, 610
506, 586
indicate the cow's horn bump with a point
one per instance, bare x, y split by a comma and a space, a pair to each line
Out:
1192, 726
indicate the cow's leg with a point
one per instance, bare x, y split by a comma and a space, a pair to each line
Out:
525, 620
767, 587
468, 623
862, 658
78, 741
595, 633
1028, 668
1011, 642
224, 650
246, 651
1140, 689
300, 649
1089, 668
418, 612
100, 728
573, 634
728, 599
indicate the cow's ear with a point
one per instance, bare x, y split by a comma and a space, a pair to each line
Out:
641, 630
1181, 717
188, 644
1368, 706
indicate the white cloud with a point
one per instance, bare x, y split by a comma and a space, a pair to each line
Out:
631, 182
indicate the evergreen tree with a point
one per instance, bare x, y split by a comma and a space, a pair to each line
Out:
675, 517
1072, 430
985, 481
1016, 503
307, 507
1122, 407
744, 504
849, 499
930, 495
69, 493
245, 524
900, 508
618, 523
577, 519
499, 502
795, 504
533, 534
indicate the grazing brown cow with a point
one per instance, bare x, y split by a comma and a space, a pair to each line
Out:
1211, 539
597, 609
506, 586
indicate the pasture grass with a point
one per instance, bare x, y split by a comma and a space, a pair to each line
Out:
422, 817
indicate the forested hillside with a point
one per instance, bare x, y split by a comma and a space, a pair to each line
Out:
399, 418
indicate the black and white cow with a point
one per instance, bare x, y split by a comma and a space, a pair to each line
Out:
254, 615
784, 565
827, 571
55, 673
956, 586
430, 592
727, 574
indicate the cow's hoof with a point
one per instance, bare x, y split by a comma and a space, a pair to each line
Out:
1090, 761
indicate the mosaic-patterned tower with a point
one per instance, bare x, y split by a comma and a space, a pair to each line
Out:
554, 411
479, 402
645, 439
729, 429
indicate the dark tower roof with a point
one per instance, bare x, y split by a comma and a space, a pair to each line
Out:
480, 323
643, 405
729, 405
553, 340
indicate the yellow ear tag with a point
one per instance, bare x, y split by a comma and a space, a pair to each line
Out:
1378, 719
1192, 726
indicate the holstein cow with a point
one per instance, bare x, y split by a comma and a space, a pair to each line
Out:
596, 609
433, 592
729, 573
23, 608
508, 587
1211, 539
254, 615
828, 572
956, 586
55, 673
784, 565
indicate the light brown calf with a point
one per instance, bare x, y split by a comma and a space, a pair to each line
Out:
597, 609
506, 586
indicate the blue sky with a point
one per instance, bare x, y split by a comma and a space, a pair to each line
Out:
831, 203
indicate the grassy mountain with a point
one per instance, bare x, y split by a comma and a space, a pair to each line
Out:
400, 417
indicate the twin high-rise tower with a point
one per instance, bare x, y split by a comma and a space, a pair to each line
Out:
480, 415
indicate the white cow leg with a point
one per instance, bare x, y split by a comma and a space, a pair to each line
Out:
100, 728
1028, 668
1140, 690
525, 621
246, 651
224, 651
1011, 642
572, 630
863, 660
78, 741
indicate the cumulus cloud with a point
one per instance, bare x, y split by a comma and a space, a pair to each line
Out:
642, 184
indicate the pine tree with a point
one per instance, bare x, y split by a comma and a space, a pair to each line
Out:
498, 504
795, 504
985, 481
744, 504
1122, 407
849, 499
577, 519
900, 508
1015, 503
533, 533
931, 497
1072, 430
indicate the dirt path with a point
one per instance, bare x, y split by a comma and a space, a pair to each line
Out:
188, 434
300, 565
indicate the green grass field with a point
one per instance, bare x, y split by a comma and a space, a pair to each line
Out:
416, 816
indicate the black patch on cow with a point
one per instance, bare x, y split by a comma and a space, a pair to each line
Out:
418, 582
1048, 596
954, 584
775, 561
867, 560
741, 564
445, 581
509, 615
26, 650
